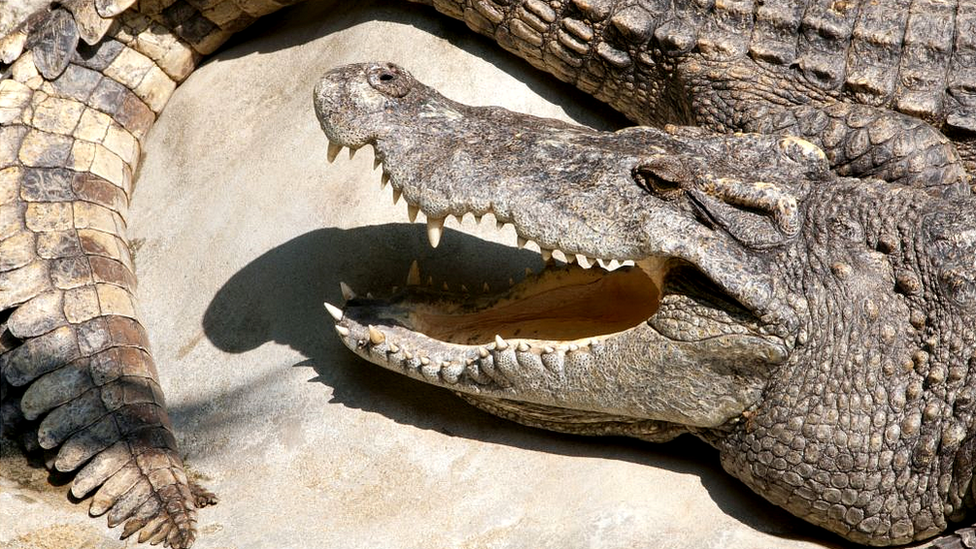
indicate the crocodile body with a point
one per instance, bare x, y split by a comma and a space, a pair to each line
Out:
82, 84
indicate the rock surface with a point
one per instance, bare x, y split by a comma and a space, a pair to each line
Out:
241, 230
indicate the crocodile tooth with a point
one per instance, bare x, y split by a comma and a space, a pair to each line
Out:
342, 330
529, 272
573, 347
511, 282
500, 344
384, 179
347, 292
435, 228
397, 193
482, 352
446, 288
477, 219
369, 295
394, 348
522, 346
613, 264
548, 350
334, 311
412, 212
413, 276
375, 336
430, 281
377, 162
570, 258
485, 288
521, 242
460, 218
333, 151
464, 288
407, 355
546, 254
424, 360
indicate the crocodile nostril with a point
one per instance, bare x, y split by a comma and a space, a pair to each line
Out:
386, 77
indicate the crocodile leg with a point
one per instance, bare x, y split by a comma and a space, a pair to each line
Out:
74, 109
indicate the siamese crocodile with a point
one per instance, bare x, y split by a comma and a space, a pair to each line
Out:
82, 81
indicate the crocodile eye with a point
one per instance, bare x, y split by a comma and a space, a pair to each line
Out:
661, 176
389, 79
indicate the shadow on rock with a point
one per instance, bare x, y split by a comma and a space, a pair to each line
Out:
278, 297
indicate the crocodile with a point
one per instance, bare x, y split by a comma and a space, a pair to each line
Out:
817, 330
81, 83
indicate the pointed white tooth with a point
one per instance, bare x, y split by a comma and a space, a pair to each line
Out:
347, 292
529, 272
413, 276
511, 281
584, 261
394, 349
627, 263
573, 347
407, 355
397, 193
500, 344
482, 352
369, 295
334, 311
430, 281
424, 360
333, 151
548, 350
570, 258
375, 336
412, 212
614, 264
521, 242
342, 330
446, 288
485, 288
435, 228
376, 160
394, 289
522, 346
602, 264
352, 152
546, 254
384, 179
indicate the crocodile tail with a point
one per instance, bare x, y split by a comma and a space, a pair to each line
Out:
80, 88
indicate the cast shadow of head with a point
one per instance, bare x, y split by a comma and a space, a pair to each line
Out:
278, 297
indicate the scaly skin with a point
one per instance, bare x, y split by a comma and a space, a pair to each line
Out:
817, 330
78, 94
835, 73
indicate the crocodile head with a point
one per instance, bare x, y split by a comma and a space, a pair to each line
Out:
765, 304
693, 311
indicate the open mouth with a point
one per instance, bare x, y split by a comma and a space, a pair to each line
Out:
574, 304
